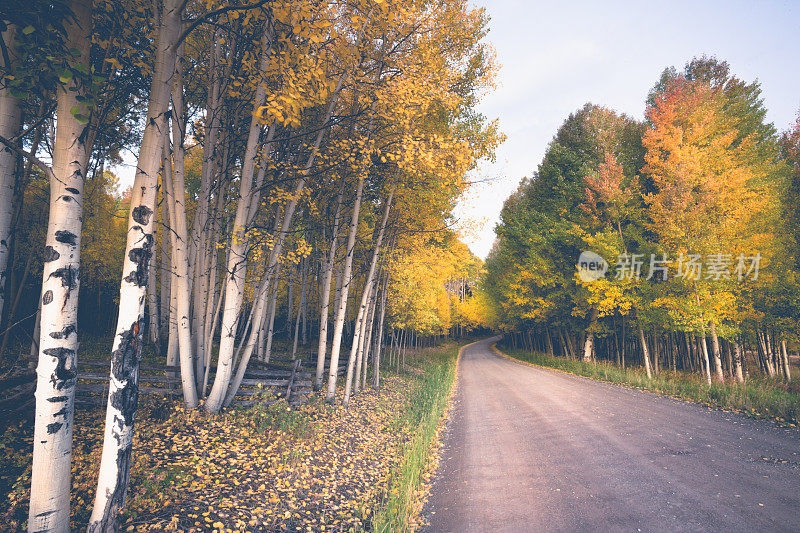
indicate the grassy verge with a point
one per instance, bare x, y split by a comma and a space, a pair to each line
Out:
760, 397
424, 415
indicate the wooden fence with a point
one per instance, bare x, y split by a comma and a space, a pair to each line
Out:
284, 378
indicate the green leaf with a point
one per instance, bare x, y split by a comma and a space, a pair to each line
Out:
75, 111
27, 30
82, 119
65, 76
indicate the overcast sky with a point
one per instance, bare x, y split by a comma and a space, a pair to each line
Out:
556, 56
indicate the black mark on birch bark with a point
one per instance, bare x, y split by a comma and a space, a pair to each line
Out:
141, 214
64, 333
141, 258
68, 275
50, 254
66, 237
124, 367
62, 376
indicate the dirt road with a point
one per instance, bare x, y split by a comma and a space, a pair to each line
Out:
530, 449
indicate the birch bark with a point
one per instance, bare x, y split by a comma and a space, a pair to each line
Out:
273, 307
180, 285
645, 352
737, 362
123, 392
177, 208
368, 335
717, 359
379, 341
589, 344
338, 324
365, 296
325, 296
58, 340
237, 252
358, 341
704, 347
303, 292
787, 371
10, 122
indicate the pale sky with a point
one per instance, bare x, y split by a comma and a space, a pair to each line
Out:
556, 56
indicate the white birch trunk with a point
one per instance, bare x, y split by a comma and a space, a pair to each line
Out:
176, 198
368, 334
273, 307
338, 324
737, 362
58, 341
704, 347
166, 271
720, 376
209, 340
364, 298
786, 369
287, 326
359, 341
588, 345
379, 341
275, 253
301, 303
123, 392
325, 296
645, 352
180, 283
237, 253
10, 122
172, 344
152, 295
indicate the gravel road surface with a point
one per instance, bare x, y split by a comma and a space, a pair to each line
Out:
530, 449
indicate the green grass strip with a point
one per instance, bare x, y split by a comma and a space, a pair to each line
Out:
758, 396
426, 408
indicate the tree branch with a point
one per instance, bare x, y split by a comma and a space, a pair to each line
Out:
30, 157
36, 124
208, 16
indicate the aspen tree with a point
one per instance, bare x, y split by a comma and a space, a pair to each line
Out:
179, 234
288, 214
10, 122
58, 340
368, 337
379, 340
273, 306
645, 352
237, 253
112, 483
717, 359
325, 295
365, 297
301, 303
338, 324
